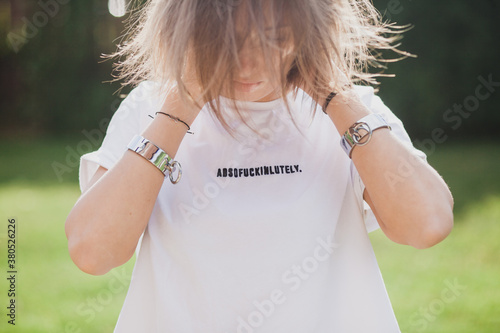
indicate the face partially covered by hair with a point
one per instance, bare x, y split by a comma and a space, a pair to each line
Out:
244, 50
254, 50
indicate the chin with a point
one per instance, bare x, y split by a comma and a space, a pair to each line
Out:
265, 93
264, 96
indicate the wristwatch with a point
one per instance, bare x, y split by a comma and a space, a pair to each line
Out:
360, 133
156, 156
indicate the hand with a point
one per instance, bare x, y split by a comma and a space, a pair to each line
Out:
338, 82
190, 80
186, 108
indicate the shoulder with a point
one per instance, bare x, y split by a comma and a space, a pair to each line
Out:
373, 102
369, 97
147, 93
140, 104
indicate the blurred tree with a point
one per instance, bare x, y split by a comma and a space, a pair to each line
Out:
52, 74
455, 43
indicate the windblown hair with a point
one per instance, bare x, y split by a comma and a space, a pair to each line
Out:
324, 36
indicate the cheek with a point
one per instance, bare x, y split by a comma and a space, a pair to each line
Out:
287, 64
289, 61
287, 57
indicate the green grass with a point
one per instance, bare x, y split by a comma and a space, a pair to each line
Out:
54, 296
420, 279
471, 171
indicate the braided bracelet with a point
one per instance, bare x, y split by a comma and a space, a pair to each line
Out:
333, 94
328, 100
176, 119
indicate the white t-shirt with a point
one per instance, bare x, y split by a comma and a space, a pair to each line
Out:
260, 235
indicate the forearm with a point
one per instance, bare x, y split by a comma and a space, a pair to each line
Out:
411, 201
106, 223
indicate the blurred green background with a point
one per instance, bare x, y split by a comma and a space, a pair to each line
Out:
54, 104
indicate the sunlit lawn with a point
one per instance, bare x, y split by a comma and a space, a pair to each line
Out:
453, 287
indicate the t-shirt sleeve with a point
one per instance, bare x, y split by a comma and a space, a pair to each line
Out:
127, 121
375, 104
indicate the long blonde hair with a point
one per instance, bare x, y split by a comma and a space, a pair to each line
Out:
325, 34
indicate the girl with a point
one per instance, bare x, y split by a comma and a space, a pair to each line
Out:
266, 230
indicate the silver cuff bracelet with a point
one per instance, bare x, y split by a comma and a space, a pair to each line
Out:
156, 156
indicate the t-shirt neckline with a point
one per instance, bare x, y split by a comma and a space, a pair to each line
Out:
253, 106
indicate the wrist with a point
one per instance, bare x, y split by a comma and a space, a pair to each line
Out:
156, 156
360, 133
180, 109
346, 109
345, 93
165, 133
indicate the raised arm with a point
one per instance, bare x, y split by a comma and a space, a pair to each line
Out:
412, 203
105, 225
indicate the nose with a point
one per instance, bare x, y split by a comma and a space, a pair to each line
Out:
250, 59
247, 66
